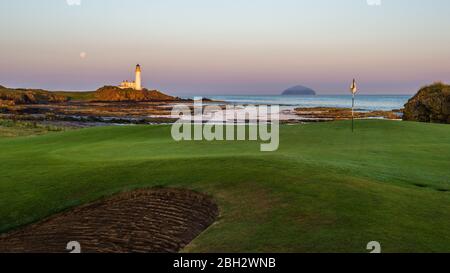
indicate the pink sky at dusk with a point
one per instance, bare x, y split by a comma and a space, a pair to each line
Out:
219, 47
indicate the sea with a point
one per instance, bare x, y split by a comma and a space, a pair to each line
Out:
362, 102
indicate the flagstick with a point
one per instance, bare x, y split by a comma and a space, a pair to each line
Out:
353, 89
353, 119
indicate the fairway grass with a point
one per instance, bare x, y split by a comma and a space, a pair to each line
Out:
324, 190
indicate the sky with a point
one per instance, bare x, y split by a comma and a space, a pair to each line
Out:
192, 47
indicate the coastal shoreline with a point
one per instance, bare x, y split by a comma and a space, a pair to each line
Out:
87, 113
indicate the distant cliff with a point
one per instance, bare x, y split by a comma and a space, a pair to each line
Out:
28, 96
113, 93
299, 90
430, 104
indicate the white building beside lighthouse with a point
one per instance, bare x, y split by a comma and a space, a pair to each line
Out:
137, 84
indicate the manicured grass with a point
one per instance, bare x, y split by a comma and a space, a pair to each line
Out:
324, 190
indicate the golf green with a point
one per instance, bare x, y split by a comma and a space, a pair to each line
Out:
325, 190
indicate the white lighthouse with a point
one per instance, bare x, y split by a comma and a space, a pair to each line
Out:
137, 84
138, 78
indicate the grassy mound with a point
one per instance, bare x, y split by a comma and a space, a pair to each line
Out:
324, 190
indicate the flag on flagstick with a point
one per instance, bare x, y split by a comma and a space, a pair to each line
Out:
353, 89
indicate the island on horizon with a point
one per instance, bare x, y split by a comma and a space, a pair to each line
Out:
299, 90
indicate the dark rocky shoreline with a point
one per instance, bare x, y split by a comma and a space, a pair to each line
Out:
331, 113
89, 113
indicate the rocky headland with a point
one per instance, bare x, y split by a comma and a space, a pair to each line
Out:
116, 94
10, 97
108, 104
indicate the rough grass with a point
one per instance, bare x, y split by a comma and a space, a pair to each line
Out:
10, 128
80, 95
324, 190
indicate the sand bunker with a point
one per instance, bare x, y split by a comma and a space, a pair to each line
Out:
156, 220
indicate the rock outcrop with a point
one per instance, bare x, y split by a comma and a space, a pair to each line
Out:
430, 104
299, 90
116, 94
